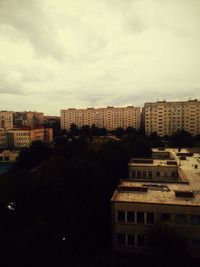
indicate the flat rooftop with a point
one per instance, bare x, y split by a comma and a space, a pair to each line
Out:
152, 162
184, 192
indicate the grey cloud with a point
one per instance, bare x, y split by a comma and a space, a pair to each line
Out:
29, 19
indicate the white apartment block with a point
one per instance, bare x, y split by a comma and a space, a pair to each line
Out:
165, 118
109, 118
6, 120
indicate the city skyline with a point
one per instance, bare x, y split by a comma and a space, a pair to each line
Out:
56, 55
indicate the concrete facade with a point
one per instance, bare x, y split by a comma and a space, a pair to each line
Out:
19, 138
165, 118
140, 204
28, 118
6, 120
109, 118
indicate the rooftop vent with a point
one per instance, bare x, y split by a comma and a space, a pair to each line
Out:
157, 187
133, 188
184, 194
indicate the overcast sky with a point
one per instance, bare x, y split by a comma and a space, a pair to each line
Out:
56, 54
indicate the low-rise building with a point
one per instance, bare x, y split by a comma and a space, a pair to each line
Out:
145, 200
19, 138
8, 155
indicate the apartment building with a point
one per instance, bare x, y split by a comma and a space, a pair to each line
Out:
109, 118
163, 190
3, 138
19, 138
165, 118
6, 120
28, 118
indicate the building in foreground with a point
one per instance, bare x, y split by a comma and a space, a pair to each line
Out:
109, 118
19, 138
165, 118
163, 190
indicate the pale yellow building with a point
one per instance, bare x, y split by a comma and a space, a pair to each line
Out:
25, 137
165, 118
8, 155
6, 120
109, 118
146, 200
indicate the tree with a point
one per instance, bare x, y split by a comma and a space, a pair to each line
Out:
119, 132
155, 140
182, 139
73, 130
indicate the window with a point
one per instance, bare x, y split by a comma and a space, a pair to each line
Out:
174, 174
139, 174
150, 218
150, 174
140, 217
130, 216
165, 217
133, 174
121, 239
181, 218
121, 216
144, 175
141, 241
131, 240
6, 158
195, 219
157, 174
165, 174
195, 243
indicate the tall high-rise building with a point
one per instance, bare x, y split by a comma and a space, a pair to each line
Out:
165, 118
6, 120
109, 118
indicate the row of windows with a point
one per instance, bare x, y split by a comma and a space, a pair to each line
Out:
138, 217
22, 144
132, 240
141, 241
149, 174
135, 217
22, 134
4, 158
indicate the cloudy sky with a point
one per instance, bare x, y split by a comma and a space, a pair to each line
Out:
57, 54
